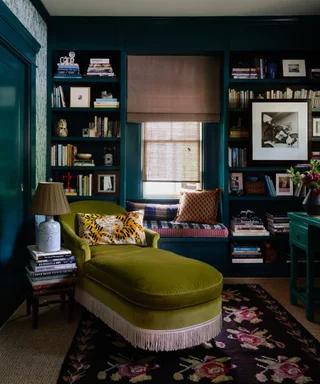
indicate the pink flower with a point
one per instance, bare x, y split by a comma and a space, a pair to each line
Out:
211, 370
250, 339
288, 370
248, 315
134, 369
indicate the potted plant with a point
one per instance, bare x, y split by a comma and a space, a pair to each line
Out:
311, 180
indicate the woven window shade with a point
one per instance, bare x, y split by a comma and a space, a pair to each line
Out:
171, 152
173, 88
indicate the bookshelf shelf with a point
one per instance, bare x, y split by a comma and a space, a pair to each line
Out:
106, 198
287, 81
85, 139
259, 238
258, 169
85, 80
271, 198
84, 168
97, 110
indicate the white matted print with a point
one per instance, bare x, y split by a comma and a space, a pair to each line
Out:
284, 185
316, 127
79, 97
280, 130
294, 68
236, 181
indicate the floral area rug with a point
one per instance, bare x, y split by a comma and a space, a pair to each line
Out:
260, 343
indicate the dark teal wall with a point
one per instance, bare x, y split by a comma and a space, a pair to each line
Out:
182, 36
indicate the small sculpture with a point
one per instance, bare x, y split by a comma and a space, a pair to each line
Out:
61, 129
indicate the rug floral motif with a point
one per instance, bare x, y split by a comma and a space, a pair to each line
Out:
260, 343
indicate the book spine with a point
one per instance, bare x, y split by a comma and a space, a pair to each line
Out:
242, 261
54, 262
246, 248
52, 268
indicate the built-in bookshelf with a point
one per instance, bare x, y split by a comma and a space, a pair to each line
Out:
253, 185
86, 95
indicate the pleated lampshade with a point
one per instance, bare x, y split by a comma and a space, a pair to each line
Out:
49, 200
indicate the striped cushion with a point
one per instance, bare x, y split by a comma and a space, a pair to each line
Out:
199, 207
173, 229
155, 211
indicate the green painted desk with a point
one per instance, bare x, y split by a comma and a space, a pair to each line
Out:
304, 234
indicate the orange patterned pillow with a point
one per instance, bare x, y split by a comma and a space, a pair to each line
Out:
199, 207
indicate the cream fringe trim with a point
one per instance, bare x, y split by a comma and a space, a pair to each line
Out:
153, 340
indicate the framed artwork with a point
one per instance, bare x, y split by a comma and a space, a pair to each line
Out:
284, 185
294, 68
236, 181
316, 127
79, 97
107, 183
281, 130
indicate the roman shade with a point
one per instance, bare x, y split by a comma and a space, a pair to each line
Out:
171, 152
173, 88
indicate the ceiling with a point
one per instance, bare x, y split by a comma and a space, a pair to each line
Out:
182, 7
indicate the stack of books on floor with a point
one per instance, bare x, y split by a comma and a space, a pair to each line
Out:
100, 68
246, 227
50, 269
246, 253
278, 224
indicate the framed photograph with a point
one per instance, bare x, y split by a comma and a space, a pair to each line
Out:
284, 185
281, 130
294, 68
236, 181
107, 183
79, 97
316, 127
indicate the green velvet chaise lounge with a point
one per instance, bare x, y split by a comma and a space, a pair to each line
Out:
155, 299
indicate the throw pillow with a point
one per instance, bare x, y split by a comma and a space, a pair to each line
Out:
199, 207
163, 212
121, 228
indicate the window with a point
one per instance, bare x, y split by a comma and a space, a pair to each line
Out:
171, 158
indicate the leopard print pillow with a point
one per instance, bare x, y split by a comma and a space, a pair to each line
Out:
121, 228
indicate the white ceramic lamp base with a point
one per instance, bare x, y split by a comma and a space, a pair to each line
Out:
49, 237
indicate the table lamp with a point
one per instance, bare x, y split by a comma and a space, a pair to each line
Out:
49, 200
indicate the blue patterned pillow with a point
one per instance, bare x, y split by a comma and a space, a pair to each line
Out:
164, 212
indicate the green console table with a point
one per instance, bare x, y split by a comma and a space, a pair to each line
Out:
305, 235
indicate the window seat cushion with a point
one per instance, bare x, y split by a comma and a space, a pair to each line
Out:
180, 229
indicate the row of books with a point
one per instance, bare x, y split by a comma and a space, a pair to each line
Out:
246, 253
57, 97
63, 155
84, 186
103, 127
237, 157
244, 73
270, 186
278, 224
241, 98
48, 269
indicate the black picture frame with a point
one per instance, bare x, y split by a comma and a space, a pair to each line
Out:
280, 131
107, 183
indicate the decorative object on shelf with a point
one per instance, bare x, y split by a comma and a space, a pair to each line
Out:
107, 183
294, 68
85, 132
284, 185
311, 180
67, 67
270, 254
50, 200
61, 129
106, 95
272, 70
84, 156
80, 97
68, 190
236, 183
109, 156
255, 187
280, 130
316, 127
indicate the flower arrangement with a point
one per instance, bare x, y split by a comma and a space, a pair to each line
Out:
310, 178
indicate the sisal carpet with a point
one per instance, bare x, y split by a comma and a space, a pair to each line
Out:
260, 343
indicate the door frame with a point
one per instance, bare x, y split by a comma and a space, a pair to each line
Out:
19, 42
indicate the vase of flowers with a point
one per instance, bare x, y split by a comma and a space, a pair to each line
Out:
311, 180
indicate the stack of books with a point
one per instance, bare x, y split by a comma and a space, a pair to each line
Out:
83, 163
247, 227
68, 70
244, 73
100, 68
246, 253
106, 103
50, 269
278, 224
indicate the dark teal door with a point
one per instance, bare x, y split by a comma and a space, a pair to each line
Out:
12, 120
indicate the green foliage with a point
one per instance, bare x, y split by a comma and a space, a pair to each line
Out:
309, 178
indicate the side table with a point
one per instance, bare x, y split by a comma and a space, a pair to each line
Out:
34, 298
304, 234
